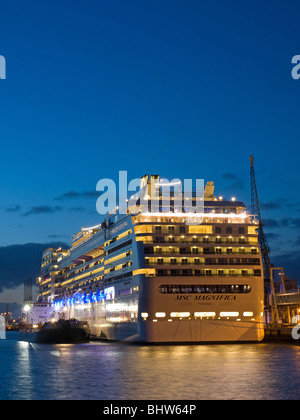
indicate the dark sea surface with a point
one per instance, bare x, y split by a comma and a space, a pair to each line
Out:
115, 371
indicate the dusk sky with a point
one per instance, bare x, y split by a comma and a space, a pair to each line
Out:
185, 89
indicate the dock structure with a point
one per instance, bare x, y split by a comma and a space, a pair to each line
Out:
288, 304
285, 315
287, 333
285, 306
282, 310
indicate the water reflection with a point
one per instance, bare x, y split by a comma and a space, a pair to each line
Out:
119, 371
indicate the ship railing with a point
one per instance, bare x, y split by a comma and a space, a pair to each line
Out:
194, 254
191, 274
203, 263
186, 241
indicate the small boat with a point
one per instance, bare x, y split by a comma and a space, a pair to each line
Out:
60, 332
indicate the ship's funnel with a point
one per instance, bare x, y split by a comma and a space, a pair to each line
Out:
209, 191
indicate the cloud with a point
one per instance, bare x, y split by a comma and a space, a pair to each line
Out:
13, 307
272, 236
230, 176
290, 262
297, 241
278, 204
56, 236
270, 223
77, 209
75, 194
42, 210
295, 222
236, 182
19, 262
13, 208
285, 222
272, 205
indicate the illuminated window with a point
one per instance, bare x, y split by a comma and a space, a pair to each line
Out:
180, 314
252, 230
248, 314
204, 314
200, 229
160, 314
207, 289
229, 314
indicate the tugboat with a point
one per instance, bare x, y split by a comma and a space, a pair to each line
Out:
60, 332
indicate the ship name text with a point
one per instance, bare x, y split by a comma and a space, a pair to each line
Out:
206, 297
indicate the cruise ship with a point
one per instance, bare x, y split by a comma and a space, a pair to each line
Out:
160, 275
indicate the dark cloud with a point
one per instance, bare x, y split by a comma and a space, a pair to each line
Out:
230, 176
75, 194
272, 236
270, 223
42, 210
297, 241
285, 222
278, 204
239, 185
290, 263
56, 236
13, 208
13, 307
295, 222
272, 205
19, 262
77, 209
236, 183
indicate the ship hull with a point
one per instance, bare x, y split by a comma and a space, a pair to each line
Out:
187, 331
58, 334
201, 331
172, 330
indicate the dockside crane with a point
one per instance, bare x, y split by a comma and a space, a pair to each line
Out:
255, 210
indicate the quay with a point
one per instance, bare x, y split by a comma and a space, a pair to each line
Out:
284, 321
282, 333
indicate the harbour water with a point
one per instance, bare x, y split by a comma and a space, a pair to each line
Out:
115, 371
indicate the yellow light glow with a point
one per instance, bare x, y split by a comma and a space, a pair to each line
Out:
228, 314
248, 314
200, 215
180, 314
115, 319
160, 314
204, 314
146, 271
